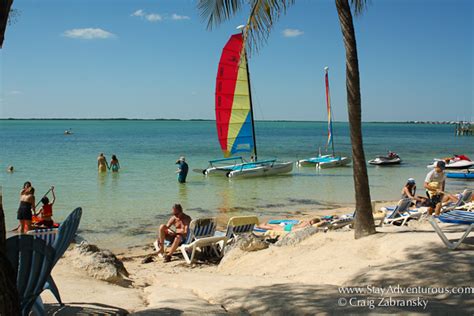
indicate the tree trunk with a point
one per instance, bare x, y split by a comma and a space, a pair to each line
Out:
364, 220
9, 302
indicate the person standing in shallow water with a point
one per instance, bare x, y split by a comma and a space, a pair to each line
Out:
102, 164
114, 164
27, 205
182, 169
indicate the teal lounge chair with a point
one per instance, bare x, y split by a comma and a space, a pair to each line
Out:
453, 217
60, 239
32, 260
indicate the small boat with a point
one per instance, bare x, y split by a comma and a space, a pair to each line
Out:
390, 159
468, 175
456, 162
329, 160
234, 118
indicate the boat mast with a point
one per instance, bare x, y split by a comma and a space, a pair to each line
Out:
251, 105
328, 103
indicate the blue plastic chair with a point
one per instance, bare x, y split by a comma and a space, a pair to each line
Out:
66, 233
32, 260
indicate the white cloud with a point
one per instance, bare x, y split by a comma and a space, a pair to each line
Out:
88, 33
153, 17
178, 17
292, 32
138, 13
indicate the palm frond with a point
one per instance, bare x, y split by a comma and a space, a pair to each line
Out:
359, 6
263, 15
217, 11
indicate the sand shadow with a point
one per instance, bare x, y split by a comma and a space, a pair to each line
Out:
83, 309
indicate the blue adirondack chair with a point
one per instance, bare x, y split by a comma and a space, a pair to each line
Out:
66, 233
32, 260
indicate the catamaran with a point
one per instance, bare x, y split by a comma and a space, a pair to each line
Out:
234, 118
328, 160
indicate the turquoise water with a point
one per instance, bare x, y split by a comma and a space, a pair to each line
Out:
125, 208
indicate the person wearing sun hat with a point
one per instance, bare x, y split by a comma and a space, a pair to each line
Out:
434, 184
409, 189
182, 169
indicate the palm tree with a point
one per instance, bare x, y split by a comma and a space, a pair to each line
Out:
9, 303
263, 15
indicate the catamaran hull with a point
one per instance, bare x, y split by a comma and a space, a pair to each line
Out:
263, 171
344, 161
325, 163
218, 171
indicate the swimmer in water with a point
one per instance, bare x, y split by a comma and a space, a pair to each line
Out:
10, 169
102, 164
114, 164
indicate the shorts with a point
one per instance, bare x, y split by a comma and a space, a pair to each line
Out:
435, 200
24, 214
45, 222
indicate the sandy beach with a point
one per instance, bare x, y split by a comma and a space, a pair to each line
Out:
410, 264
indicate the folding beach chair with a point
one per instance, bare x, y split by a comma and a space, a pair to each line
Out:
202, 235
32, 260
453, 217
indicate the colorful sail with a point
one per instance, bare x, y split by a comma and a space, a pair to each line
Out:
233, 108
328, 105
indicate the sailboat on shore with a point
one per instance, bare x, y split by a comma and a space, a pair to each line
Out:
234, 119
329, 160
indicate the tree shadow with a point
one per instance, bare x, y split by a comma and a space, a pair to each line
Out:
83, 309
428, 274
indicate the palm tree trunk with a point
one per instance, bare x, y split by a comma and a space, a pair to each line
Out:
9, 303
364, 220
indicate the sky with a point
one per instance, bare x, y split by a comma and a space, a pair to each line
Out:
156, 59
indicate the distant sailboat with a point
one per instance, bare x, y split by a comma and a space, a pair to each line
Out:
234, 118
328, 160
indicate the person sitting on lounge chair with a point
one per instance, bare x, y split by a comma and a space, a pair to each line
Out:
180, 221
409, 192
288, 227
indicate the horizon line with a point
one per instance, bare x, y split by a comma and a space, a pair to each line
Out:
196, 119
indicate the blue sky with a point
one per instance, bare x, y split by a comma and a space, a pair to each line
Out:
89, 59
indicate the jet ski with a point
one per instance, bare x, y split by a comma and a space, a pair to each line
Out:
390, 159
456, 162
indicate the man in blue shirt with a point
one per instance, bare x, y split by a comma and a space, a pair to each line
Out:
182, 170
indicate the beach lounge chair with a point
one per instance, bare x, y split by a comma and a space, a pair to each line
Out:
201, 235
401, 214
453, 217
32, 260
60, 239
238, 225
464, 198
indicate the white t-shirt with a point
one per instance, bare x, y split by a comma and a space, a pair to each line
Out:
433, 176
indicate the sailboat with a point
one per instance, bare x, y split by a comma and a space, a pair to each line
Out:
234, 118
329, 160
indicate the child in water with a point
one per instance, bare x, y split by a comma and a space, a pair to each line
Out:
114, 164
46, 211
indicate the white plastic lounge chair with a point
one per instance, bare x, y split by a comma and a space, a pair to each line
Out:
401, 214
238, 225
464, 198
201, 235
453, 217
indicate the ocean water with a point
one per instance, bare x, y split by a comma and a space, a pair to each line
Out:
124, 209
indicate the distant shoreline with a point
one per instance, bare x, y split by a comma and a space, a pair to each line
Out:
209, 120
